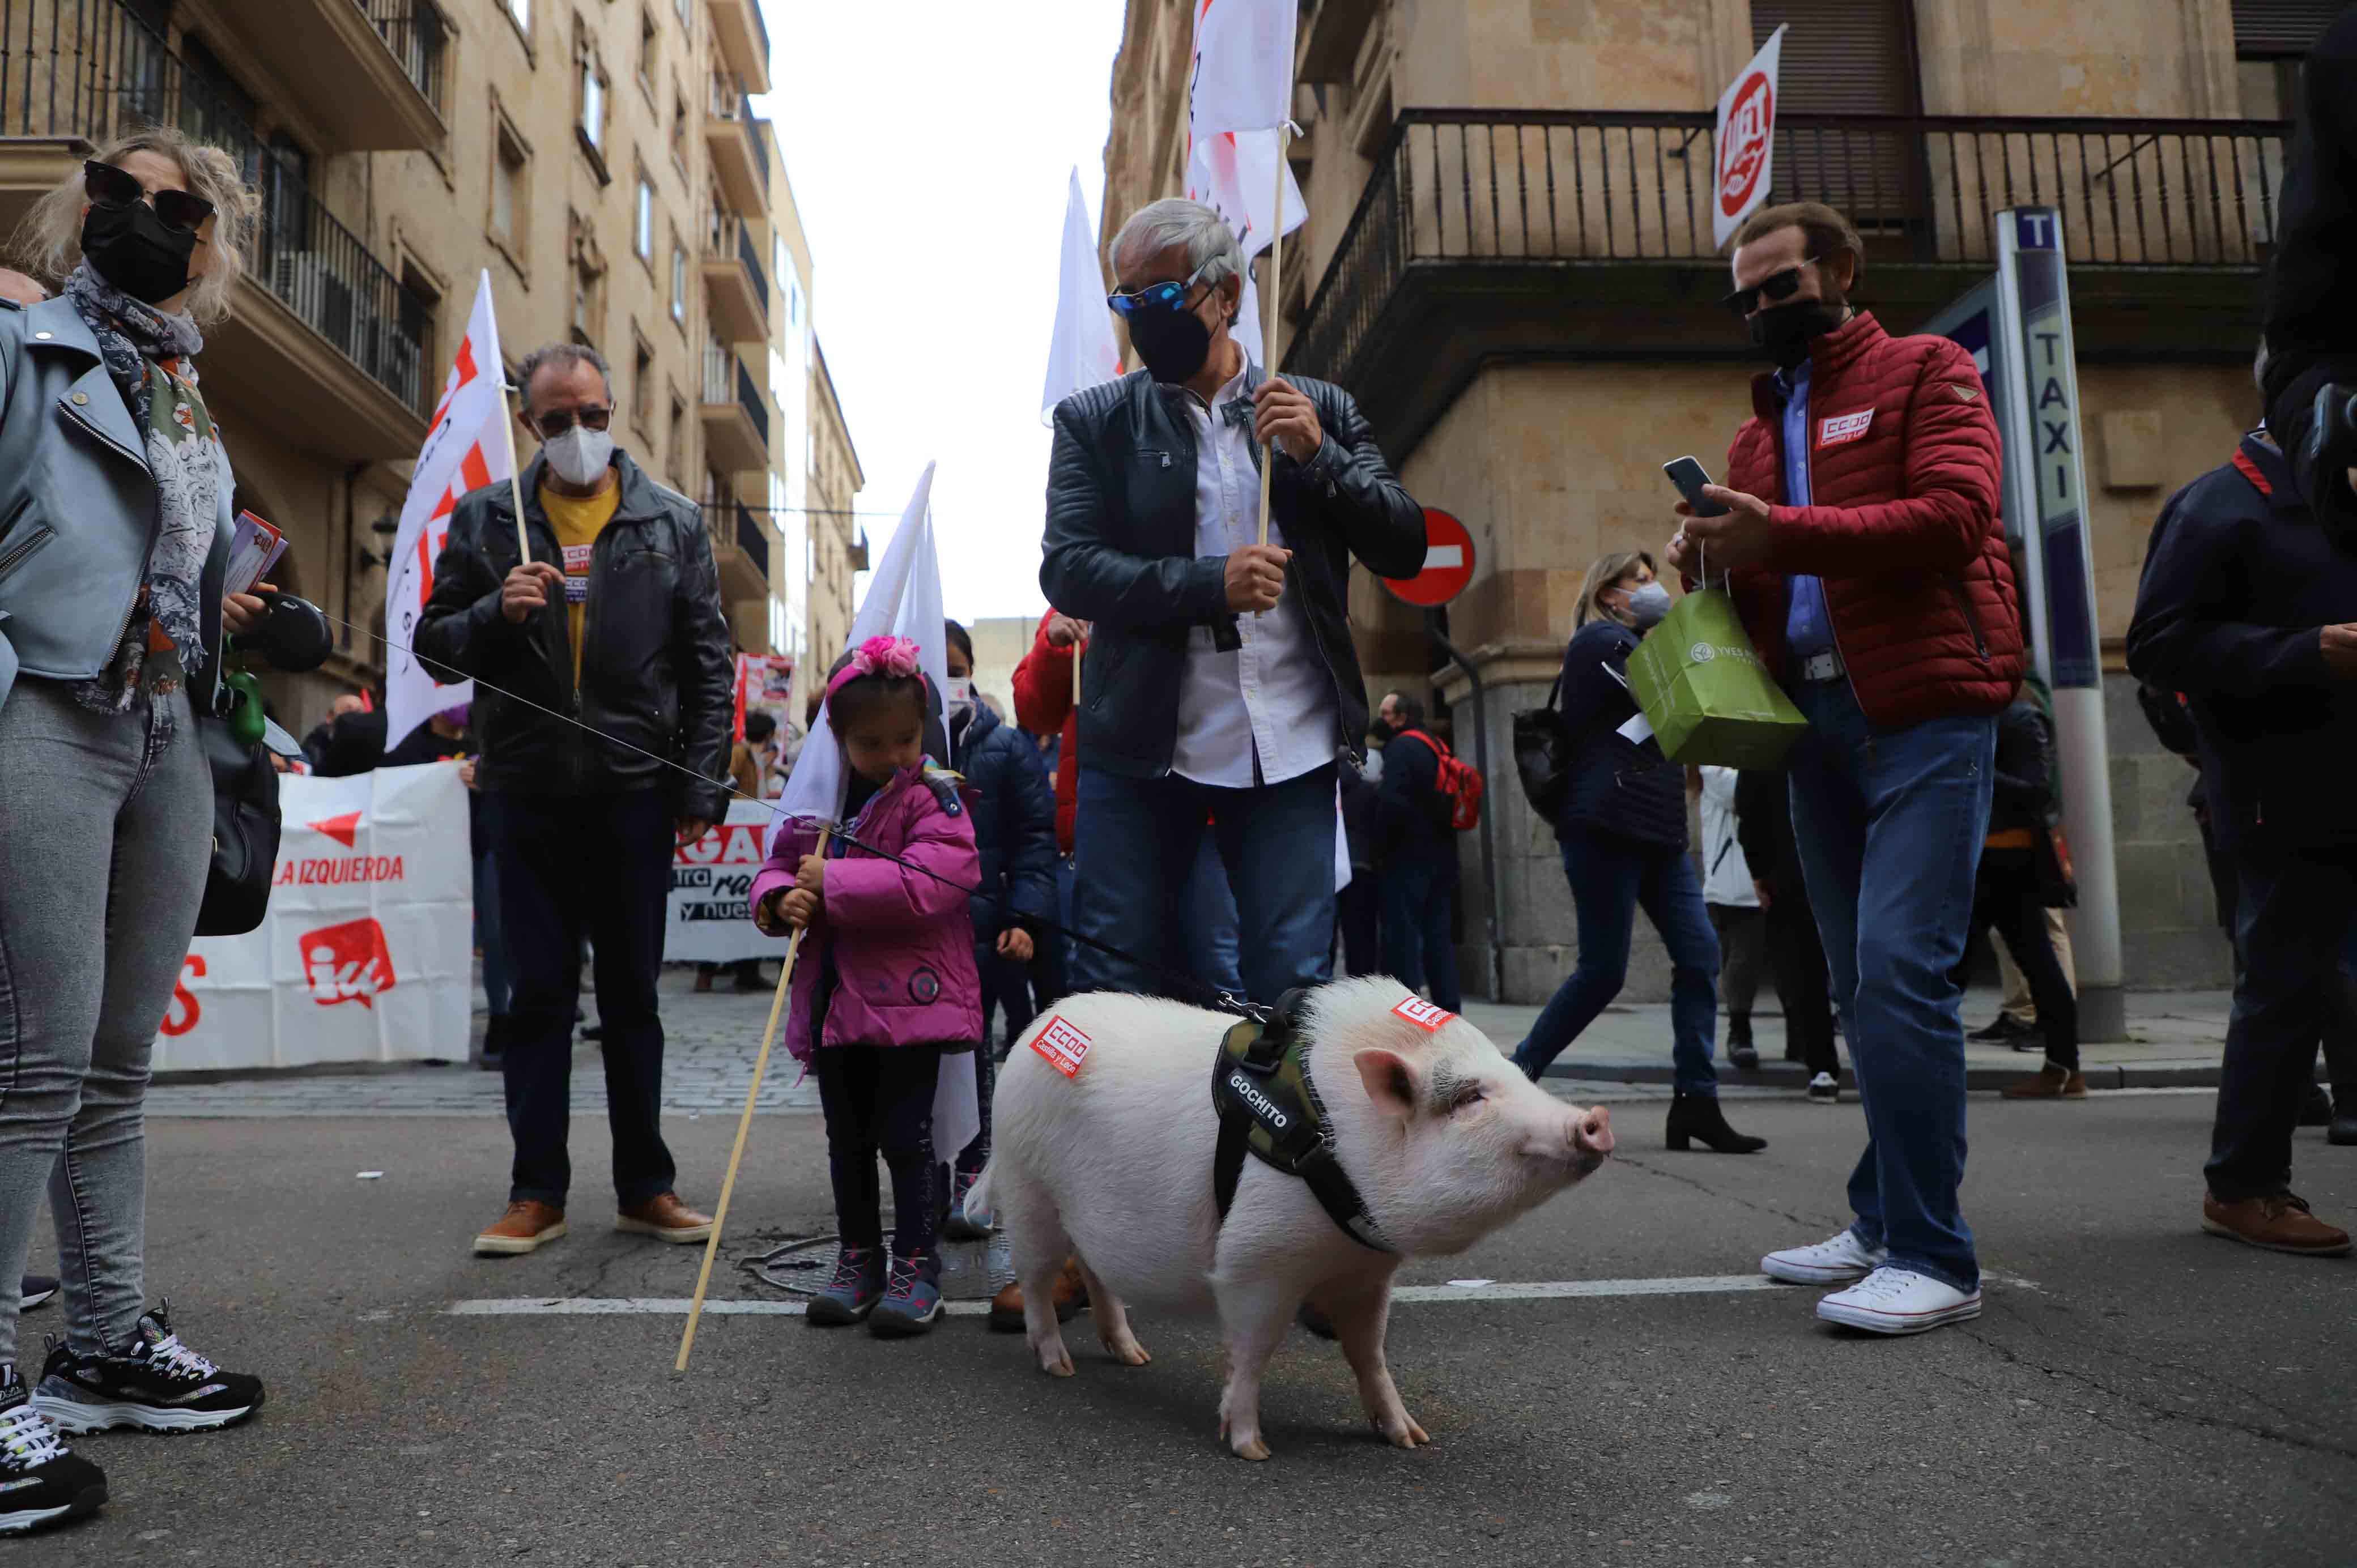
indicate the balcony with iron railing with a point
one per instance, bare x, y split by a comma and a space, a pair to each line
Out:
740, 154
1537, 233
735, 419
340, 344
736, 285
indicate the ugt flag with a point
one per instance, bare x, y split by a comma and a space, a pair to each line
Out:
467, 448
904, 600
1241, 77
1082, 352
1745, 146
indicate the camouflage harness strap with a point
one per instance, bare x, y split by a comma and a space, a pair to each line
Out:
1268, 1106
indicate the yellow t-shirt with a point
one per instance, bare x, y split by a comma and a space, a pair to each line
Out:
579, 521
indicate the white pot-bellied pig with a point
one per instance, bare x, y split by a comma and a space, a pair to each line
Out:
1104, 1144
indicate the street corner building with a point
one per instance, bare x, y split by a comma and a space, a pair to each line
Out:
1508, 260
604, 164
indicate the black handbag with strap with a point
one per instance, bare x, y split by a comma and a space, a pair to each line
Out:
293, 635
1543, 744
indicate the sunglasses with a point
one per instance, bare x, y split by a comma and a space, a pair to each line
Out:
110, 186
557, 421
1155, 296
1777, 286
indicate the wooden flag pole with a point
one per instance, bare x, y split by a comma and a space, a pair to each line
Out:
1276, 284
744, 1125
515, 485
1076, 669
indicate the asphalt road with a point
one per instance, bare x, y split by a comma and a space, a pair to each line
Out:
2143, 1393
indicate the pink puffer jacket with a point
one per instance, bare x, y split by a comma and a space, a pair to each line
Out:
899, 943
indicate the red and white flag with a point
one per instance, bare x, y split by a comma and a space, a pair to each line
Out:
1744, 149
466, 449
1241, 77
1234, 174
1083, 352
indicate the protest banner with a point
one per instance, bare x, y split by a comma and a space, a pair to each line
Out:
708, 920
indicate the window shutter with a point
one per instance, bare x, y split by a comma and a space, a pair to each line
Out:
1843, 57
2267, 29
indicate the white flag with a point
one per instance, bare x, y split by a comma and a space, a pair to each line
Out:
1234, 175
904, 600
1082, 352
1241, 77
1745, 146
466, 449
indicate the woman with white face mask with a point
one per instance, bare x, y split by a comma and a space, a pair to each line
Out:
1623, 828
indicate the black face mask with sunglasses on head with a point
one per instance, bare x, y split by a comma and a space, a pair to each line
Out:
139, 248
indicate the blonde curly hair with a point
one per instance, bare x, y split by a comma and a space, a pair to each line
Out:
49, 242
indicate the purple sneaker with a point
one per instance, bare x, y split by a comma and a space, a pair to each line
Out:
913, 1299
852, 1294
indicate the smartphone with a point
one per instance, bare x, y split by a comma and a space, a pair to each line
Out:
1690, 477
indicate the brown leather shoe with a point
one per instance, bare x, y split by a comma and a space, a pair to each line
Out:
526, 1226
2048, 1082
666, 1219
2280, 1223
1069, 1295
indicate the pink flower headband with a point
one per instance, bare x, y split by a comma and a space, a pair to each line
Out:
892, 658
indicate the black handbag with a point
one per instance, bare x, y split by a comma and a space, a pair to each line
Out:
245, 830
1542, 753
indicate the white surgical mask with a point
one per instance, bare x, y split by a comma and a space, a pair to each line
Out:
580, 454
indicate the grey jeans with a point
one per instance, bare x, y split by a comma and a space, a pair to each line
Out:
104, 842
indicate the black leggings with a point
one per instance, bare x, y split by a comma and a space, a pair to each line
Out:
880, 1098
2006, 897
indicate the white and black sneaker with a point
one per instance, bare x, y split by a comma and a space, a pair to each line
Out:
35, 1290
162, 1386
42, 1482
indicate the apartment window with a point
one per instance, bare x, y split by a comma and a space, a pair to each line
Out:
679, 128
588, 280
591, 124
520, 13
648, 36
414, 348
510, 186
1844, 57
642, 382
642, 224
683, 7
2271, 36
678, 282
678, 447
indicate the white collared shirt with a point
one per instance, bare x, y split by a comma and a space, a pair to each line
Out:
1270, 698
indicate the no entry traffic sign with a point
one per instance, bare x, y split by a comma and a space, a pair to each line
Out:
1448, 562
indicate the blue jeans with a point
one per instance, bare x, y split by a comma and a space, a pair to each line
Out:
1610, 878
1138, 846
1890, 823
1419, 897
1214, 935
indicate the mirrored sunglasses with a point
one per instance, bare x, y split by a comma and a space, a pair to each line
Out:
1156, 297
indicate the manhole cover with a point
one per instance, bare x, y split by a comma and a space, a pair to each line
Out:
801, 1266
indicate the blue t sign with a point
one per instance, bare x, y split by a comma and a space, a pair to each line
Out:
2033, 231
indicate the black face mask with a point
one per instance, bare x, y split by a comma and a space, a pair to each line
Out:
1173, 343
1784, 333
1383, 732
137, 252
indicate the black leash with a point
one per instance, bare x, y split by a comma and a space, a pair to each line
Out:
1222, 999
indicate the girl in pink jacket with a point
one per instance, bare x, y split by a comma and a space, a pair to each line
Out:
886, 985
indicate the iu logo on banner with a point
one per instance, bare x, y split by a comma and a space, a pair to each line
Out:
1744, 145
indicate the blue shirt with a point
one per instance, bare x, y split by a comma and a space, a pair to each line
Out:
1808, 625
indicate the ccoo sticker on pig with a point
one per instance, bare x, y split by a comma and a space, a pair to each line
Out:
1423, 1013
1064, 1046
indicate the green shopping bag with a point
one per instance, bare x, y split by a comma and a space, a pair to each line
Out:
1701, 686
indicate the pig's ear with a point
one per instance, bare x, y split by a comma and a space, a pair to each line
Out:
1390, 1083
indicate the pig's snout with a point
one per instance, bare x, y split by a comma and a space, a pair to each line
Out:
1591, 1139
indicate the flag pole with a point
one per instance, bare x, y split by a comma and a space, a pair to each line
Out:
1268, 309
515, 485
744, 1125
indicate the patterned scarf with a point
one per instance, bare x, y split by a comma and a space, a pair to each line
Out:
164, 636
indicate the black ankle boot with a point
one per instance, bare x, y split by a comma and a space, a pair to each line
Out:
1698, 1116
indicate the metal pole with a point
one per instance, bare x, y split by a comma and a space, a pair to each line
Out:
1497, 911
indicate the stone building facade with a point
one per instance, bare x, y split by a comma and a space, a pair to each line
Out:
1508, 260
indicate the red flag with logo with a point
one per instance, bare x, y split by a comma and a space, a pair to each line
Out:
1744, 149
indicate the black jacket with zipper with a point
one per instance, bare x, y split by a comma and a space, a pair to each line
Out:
1120, 552
655, 667
1615, 785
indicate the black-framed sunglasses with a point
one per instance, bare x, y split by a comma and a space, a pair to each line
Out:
110, 186
557, 421
1157, 296
1777, 287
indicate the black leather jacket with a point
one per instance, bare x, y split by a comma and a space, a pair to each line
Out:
1120, 552
655, 669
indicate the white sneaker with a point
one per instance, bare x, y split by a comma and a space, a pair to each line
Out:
1835, 1262
1824, 1090
1898, 1300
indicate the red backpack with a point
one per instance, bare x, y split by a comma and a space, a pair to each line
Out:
1459, 784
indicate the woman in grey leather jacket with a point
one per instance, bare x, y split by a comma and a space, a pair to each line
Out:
115, 532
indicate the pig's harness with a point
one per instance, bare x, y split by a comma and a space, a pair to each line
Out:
1267, 1104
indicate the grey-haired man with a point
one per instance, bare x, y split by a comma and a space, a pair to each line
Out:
1222, 686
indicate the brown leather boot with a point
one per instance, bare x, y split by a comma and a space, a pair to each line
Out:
2280, 1223
527, 1226
664, 1217
2048, 1082
1069, 1295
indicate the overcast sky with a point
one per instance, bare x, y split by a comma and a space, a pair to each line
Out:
929, 143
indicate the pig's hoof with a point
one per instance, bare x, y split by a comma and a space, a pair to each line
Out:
1254, 1449
1127, 1351
1406, 1434
1055, 1361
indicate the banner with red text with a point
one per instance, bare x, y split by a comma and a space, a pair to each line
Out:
467, 448
709, 920
367, 954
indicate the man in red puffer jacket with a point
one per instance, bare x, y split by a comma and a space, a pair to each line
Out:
1863, 547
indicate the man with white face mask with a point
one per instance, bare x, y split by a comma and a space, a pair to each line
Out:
583, 827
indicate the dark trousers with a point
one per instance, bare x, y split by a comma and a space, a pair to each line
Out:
1359, 911
974, 1155
1797, 958
570, 866
1006, 984
1742, 946
2006, 898
1419, 920
879, 1099
2291, 930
